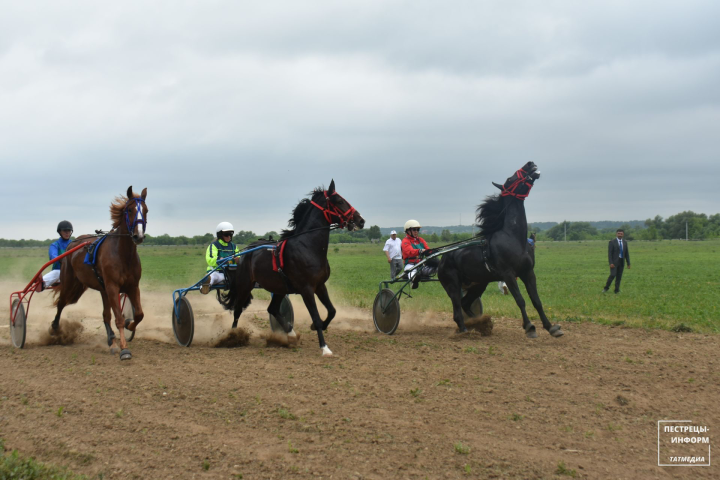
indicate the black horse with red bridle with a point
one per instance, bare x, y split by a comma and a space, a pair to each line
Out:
508, 255
299, 262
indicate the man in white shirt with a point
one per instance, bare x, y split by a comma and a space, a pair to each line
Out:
393, 252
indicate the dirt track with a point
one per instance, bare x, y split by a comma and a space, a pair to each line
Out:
422, 403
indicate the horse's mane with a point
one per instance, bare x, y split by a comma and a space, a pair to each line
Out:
117, 210
300, 211
490, 216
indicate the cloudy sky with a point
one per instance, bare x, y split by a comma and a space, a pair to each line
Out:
235, 110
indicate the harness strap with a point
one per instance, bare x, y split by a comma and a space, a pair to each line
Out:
278, 263
332, 210
521, 179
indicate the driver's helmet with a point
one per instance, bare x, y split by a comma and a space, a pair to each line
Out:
412, 224
224, 227
64, 225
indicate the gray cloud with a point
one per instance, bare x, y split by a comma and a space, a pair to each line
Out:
234, 111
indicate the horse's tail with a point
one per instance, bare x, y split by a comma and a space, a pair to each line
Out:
231, 300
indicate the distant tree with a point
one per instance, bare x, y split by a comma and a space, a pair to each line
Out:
374, 232
434, 238
575, 231
445, 235
244, 237
674, 226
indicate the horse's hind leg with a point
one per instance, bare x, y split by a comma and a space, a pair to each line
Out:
451, 283
531, 286
520, 301
134, 298
244, 297
322, 294
472, 294
274, 310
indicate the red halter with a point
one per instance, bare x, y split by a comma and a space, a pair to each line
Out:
521, 179
332, 210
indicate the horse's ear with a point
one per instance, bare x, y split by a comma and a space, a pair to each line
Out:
498, 186
331, 188
129, 192
143, 195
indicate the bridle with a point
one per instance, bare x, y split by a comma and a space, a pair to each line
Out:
332, 210
139, 217
522, 179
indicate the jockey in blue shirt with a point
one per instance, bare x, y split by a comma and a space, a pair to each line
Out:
57, 248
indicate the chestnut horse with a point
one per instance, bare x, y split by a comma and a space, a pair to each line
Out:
301, 258
117, 269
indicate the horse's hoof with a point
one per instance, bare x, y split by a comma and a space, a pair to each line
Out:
312, 327
555, 331
125, 354
127, 323
530, 332
326, 352
110, 343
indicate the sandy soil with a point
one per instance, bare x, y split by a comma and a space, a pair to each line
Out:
424, 403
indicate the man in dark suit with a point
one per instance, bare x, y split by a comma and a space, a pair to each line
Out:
618, 254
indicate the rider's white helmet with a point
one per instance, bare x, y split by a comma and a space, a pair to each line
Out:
412, 224
224, 227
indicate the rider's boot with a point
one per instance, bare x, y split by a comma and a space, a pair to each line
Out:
205, 288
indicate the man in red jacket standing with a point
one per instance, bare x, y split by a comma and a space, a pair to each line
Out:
413, 247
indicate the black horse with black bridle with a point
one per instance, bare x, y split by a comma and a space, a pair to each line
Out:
298, 264
506, 256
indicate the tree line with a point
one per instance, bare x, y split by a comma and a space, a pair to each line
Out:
699, 227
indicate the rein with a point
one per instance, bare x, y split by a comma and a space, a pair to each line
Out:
332, 210
522, 178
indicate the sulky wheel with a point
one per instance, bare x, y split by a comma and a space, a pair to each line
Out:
286, 310
128, 313
184, 326
386, 311
19, 329
476, 308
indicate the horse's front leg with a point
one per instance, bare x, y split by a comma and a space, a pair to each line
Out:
113, 298
322, 294
515, 291
133, 297
308, 297
531, 286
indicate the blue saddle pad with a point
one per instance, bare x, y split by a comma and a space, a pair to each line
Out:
91, 255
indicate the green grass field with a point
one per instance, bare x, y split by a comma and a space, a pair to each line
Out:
671, 282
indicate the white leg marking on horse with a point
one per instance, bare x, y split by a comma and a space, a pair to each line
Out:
292, 333
326, 352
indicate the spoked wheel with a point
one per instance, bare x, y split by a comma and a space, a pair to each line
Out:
184, 326
128, 312
18, 331
386, 311
286, 310
476, 308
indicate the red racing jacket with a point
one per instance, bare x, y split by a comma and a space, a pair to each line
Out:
411, 249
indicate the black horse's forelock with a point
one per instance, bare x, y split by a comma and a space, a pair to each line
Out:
299, 212
490, 216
